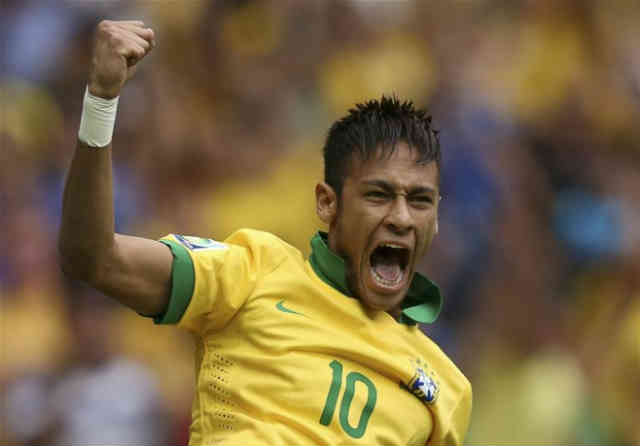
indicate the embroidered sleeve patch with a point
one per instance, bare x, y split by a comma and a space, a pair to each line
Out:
199, 243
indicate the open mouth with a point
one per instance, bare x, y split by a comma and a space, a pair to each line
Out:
389, 264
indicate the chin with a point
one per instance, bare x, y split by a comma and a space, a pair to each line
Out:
381, 298
382, 303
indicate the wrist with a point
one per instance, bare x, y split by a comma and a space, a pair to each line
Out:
103, 93
98, 119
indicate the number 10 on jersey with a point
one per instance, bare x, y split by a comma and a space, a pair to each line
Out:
332, 399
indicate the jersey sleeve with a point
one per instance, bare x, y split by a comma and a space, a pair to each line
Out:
211, 280
452, 425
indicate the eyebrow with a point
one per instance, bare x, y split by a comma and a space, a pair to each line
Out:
389, 187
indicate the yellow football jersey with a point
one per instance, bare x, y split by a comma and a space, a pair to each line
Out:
285, 355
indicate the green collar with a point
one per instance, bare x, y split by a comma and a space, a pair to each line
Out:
422, 304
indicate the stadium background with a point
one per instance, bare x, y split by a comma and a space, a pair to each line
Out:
539, 249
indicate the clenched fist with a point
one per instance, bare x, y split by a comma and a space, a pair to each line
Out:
117, 48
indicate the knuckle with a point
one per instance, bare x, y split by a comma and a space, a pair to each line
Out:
106, 31
104, 25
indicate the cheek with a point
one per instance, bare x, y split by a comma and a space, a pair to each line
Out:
359, 224
426, 235
351, 237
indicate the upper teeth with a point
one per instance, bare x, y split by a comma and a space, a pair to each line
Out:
391, 245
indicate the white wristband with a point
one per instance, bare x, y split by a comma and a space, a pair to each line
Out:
98, 119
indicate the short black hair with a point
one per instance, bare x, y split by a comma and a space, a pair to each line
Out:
378, 125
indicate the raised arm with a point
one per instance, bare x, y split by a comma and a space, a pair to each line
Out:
133, 270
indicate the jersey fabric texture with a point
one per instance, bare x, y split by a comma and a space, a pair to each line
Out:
286, 356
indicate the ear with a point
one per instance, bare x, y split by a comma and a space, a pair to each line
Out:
326, 203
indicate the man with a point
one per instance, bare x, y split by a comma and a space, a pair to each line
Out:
322, 351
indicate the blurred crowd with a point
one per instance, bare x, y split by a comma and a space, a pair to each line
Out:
538, 255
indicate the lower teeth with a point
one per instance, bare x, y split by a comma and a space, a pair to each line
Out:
384, 281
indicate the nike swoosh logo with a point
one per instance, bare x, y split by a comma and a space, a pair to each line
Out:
284, 309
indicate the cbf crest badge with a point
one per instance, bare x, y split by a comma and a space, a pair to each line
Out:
424, 384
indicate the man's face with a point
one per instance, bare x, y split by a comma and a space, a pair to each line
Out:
383, 224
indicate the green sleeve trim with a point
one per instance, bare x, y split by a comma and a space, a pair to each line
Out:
182, 284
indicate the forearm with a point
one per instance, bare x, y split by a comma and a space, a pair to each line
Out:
135, 271
86, 237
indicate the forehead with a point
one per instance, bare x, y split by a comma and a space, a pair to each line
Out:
400, 168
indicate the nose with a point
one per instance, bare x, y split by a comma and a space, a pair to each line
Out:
399, 219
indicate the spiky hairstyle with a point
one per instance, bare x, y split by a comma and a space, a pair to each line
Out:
376, 127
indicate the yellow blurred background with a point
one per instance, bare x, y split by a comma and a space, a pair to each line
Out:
538, 256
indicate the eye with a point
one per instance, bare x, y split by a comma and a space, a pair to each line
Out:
376, 195
421, 201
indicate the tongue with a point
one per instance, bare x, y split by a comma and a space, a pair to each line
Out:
387, 266
389, 271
